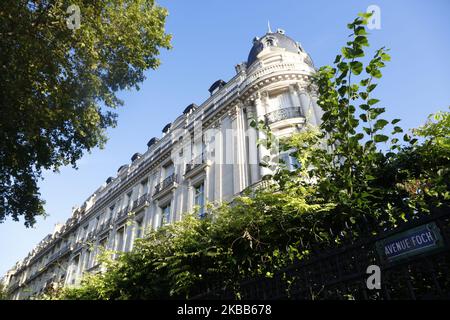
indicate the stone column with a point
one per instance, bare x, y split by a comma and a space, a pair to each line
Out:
252, 155
306, 104
238, 143
263, 153
218, 161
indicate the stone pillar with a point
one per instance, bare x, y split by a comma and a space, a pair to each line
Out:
317, 109
263, 153
218, 164
307, 106
252, 155
238, 143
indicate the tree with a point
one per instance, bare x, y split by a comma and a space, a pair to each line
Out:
58, 84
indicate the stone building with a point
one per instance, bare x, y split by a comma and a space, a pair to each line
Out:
208, 154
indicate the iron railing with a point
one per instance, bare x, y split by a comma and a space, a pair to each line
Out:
166, 183
340, 272
283, 114
197, 161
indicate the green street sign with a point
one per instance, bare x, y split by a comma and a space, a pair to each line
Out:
423, 239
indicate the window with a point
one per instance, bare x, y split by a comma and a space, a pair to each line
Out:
97, 222
165, 216
270, 42
138, 228
289, 162
169, 170
110, 213
199, 199
102, 243
85, 231
120, 238
128, 200
143, 187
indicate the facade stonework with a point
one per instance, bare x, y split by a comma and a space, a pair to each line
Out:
208, 154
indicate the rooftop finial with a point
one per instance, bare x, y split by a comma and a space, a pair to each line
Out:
268, 27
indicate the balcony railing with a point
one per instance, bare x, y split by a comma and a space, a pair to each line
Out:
166, 183
140, 202
283, 114
197, 161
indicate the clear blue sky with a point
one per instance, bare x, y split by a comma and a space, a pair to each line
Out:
209, 38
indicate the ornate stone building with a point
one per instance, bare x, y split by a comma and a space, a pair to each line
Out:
208, 154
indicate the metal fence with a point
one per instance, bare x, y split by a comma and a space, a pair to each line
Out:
340, 273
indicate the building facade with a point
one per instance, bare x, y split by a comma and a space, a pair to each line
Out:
208, 154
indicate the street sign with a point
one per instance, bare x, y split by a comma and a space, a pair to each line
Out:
423, 239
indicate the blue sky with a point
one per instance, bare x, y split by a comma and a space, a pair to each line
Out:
209, 38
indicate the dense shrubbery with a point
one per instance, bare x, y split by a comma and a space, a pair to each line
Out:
346, 182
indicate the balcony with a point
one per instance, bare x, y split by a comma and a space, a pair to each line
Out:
283, 114
195, 165
141, 202
166, 186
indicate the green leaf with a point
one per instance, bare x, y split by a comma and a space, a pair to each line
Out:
371, 87
363, 117
385, 57
363, 95
356, 67
367, 130
380, 138
365, 107
360, 31
359, 136
371, 102
380, 124
362, 40
397, 129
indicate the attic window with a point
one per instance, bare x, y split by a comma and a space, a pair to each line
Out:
270, 42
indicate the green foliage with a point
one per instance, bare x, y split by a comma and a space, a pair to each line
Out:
346, 187
3, 292
437, 129
58, 86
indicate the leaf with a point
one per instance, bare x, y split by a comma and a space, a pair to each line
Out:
342, 91
385, 57
380, 138
380, 124
356, 67
360, 31
371, 87
363, 117
395, 121
363, 95
371, 102
397, 129
365, 107
362, 40
359, 136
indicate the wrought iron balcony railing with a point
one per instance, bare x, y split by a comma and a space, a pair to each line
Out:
283, 114
197, 161
140, 202
166, 183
